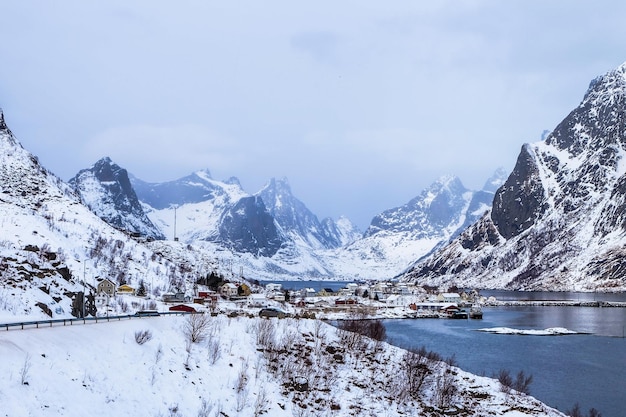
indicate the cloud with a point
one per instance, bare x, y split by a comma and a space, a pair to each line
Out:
162, 153
337, 96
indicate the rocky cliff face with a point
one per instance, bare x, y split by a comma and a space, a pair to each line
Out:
558, 222
106, 189
248, 227
296, 220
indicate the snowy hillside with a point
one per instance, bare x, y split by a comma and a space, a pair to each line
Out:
558, 223
221, 366
53, 247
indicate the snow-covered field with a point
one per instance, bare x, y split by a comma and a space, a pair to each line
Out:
238, 366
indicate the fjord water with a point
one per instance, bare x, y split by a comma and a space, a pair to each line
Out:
589, 368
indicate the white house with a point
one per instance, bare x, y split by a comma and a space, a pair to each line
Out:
257, 300
272, 287
228, 290
449, 297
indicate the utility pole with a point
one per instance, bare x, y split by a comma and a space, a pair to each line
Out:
175, 238
84, 276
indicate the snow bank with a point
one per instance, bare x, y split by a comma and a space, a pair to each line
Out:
552, 331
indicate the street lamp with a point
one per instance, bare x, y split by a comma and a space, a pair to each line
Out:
84, 277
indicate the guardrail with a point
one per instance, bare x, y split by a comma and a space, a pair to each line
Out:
84, 320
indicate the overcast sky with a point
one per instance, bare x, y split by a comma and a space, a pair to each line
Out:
360, 104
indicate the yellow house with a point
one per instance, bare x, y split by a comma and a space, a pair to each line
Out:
125, 289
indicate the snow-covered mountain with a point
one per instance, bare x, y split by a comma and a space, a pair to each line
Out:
438, 212
106, 189
199, 208
298, 222
53, 247
194, 188
558, 222
398, 236
272, 233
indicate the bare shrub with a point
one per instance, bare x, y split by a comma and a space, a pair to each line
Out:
521, 382
241, 400
196, 327
143, 336
265, 333
214, 350
205, 409
577, 412
415, 369
123, 305
445, 388
24, 372
242, 377
351, 332
261, 403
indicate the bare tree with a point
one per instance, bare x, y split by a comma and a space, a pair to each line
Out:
196, 327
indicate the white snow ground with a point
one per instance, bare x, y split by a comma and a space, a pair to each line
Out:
101, 370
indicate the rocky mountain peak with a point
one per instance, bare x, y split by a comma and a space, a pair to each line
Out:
559, 220
496, 180
106, 189
296, 219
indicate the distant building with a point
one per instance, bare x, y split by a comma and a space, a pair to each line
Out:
449, 297
107, 287
179, 297
228, 290
184, 308
125, 289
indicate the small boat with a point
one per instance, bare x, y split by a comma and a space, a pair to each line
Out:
460, 314
476, 312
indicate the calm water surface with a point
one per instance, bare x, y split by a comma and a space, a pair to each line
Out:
589, 369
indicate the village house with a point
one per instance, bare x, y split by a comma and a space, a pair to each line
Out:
184, 308
107, 287
178, 297
272, 287
102, 299
257, 300
125, 289
228, 290
449, 297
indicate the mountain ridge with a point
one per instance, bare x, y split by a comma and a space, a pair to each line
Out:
558, 222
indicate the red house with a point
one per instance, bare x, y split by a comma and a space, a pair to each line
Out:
184, 308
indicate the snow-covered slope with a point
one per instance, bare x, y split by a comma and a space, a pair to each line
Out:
242, 367
106, 189
398, 236
199, 208
558, 222
53, 247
